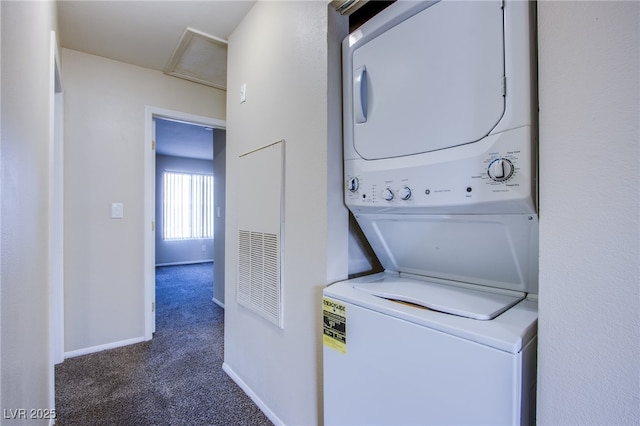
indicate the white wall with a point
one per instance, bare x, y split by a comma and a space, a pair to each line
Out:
104, 163
289, 60
1, 168
26, 369
589, 342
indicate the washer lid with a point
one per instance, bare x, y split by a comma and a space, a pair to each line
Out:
461, 301
432, 82
510, 331
499, 251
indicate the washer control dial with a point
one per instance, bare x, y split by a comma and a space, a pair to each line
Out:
353, 184
405, 193
500, 169
387, 194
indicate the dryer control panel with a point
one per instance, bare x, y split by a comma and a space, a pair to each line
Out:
496, 178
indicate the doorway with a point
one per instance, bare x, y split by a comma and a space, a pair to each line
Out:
218, 134
184, 193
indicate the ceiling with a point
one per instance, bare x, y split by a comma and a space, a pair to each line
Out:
171, 36
143, 32
179, 139
146, 33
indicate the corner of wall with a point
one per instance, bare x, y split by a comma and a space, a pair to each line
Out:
288, 56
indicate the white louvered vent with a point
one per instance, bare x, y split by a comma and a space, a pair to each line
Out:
259, 274
260, 222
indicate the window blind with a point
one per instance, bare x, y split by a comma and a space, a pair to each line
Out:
187, 206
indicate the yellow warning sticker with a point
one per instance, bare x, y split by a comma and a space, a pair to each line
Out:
334, 329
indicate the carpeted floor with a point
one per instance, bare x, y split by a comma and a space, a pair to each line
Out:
174, 379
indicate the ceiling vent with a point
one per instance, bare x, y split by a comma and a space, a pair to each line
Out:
201, 58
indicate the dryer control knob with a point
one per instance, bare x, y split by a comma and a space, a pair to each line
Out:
500, 169
353, 184
387, 194
405, 193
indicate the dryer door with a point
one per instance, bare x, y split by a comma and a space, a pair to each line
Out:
430, 82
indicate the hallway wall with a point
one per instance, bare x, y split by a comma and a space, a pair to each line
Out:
589, 326
104, 163
26, 372
288, 54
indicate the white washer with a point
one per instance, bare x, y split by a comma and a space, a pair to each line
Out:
440, 173
404, 365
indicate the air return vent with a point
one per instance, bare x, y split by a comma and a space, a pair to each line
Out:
260, 218
259, 273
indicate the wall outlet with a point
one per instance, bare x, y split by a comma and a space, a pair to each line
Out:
204, 247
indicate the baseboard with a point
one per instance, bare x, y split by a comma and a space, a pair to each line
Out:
261, 405
100, 348
186, 262
217, 302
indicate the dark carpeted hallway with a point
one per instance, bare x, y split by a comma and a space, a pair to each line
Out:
174, 379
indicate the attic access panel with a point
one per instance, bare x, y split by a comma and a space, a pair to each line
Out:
200, 58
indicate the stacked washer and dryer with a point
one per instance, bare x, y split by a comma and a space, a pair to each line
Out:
440, 174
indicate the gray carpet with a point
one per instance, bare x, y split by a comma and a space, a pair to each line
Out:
174, 379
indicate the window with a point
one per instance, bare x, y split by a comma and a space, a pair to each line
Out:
188, 206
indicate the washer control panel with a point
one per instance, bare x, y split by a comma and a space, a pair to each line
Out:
497, 179
501, 169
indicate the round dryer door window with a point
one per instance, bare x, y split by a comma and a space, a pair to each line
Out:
434, 82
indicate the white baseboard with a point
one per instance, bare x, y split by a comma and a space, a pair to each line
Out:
217, 302
100, 348
261, 405
186, 262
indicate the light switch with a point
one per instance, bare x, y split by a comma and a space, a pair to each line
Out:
243, 93
117, 210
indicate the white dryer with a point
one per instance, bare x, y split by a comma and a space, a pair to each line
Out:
440, 173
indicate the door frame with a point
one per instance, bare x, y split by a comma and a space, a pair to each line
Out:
56, 214
150, 113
